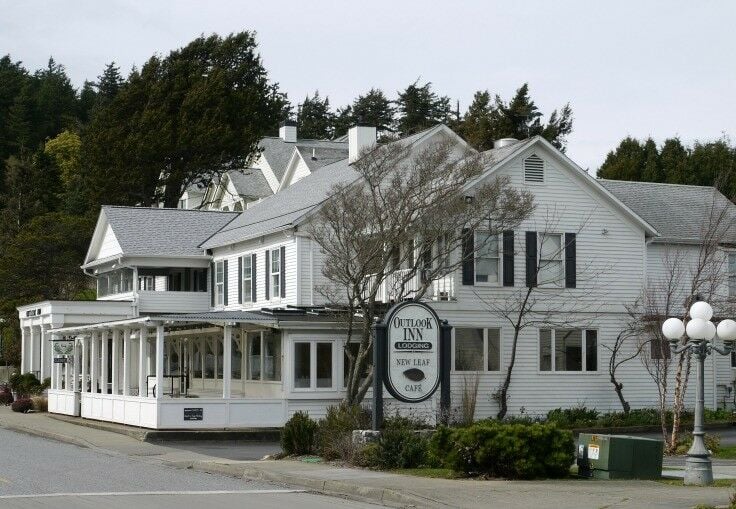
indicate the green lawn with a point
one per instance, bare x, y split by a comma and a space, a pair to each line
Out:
717, 483
434, 473
726, 452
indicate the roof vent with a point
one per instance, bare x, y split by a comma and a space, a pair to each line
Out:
314, 154
504, 142
533, 169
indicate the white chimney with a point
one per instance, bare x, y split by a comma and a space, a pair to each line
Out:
359, 138
504, 142
287, 131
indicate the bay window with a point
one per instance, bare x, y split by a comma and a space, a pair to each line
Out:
568, 350
477, 349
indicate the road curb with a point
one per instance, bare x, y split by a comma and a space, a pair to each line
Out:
47, 435
349, 490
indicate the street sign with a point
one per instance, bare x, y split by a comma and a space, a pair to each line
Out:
193, 414
413, 352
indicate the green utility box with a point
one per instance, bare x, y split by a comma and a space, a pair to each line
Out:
619, 457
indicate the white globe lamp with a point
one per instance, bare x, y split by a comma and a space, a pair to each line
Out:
697, 328
727, 330
701, 310
673, 328
710, 331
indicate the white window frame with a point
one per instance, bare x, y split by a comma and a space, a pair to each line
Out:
540, 239
499, 258
275, 283
247, 296
262, 360
730, 275
584, 361
312, 365
220, 283
485, 350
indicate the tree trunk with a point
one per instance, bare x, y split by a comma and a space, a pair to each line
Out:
503, 394
618, 387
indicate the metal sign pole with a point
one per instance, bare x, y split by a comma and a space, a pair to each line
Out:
379, 356
445, 356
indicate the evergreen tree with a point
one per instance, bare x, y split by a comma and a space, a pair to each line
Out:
13, 78
673, 158
315, 120
651, 171
374, 109
87, 100
477, 124
184, 119
419, 108
342, 121
625, 163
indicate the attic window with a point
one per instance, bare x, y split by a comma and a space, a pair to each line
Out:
533, 169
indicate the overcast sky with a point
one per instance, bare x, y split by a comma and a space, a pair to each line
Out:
654, 68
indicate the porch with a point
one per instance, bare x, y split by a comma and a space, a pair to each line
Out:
169, 372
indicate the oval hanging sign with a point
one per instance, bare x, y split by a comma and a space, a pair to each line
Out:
413, 352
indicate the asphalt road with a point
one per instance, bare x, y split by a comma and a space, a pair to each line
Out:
39, 473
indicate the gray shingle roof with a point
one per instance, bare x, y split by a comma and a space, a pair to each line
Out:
278, 152
163, 232
284, 208
250, 182
317, 157
678, 212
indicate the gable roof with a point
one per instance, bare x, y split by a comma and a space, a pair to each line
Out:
250, 182
283, 209
278, 152
143, 231
319, 156
678, 212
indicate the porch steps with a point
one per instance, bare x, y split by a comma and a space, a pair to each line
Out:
158, 435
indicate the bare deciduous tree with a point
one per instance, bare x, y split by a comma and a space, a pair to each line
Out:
398, 228
544, 300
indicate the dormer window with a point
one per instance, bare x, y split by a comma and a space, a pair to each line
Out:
534, 169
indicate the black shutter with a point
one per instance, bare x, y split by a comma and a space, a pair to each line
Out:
268, 270
240, 280
508, 258
570, 261
224, 281
531, 258
283, 272
212, 284
253, 278
468, 257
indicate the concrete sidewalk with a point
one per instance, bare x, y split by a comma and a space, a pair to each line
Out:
381, 487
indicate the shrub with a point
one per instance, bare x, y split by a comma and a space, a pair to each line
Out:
40, 403
399, 445
573, 417
22, 405
297, 437
334, 437
6, 396
712, 443
514, 451
439, 447
367, 456
27, 384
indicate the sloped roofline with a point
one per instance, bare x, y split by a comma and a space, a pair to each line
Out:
584, 175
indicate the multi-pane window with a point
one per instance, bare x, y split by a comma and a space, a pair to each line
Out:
313, 366
568, 350
247, 281
275, 272
477, 349
487, 259
263, 359
114, 282
732, 274
219, 283
551, 268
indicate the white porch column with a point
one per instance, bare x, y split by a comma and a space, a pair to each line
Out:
127, 354
23, 349
94, 361
42, 368
159, 361
202, 346
115, 360
33, 350
142, 348
85, 362
227, 341
52, 367
104, 358
73, 384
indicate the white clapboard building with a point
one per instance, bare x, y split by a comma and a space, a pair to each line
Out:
210, 317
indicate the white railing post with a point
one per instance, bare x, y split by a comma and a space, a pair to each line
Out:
159, 361
227, 342
142, 364
103, 361
115, 360
127, 353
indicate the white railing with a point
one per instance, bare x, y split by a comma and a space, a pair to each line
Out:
391, 290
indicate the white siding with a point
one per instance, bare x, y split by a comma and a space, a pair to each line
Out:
109, 245
173, 302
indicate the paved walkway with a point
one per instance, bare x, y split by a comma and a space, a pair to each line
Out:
387, 488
